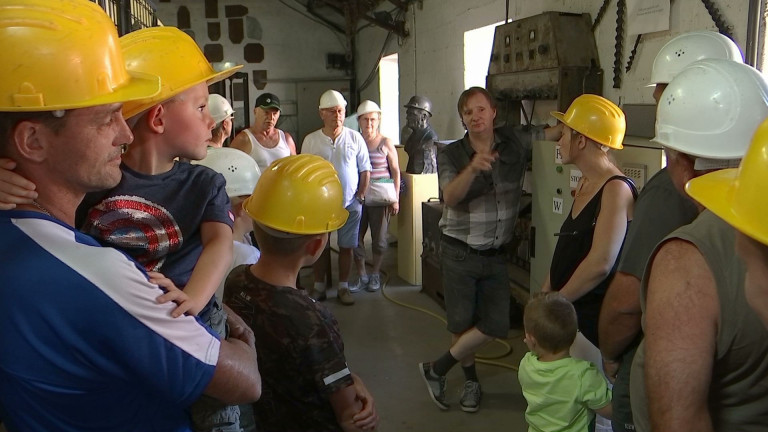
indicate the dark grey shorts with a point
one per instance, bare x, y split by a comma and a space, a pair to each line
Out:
476, 290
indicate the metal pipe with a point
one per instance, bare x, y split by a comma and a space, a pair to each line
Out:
754, 16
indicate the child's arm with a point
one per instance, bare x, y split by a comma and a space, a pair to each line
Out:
606, 411
367, 418
596, 392
210, 270
14, 189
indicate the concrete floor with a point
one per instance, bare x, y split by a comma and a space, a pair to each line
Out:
385, 341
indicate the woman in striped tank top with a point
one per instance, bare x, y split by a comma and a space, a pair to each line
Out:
384, 164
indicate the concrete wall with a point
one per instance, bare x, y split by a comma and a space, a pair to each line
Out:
431, 57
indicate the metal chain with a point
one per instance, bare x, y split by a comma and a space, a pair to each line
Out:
717, 17
600, 14
619, 46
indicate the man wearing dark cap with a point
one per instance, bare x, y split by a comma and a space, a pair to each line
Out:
263, 141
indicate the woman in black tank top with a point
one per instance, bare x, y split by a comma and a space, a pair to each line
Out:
590, 239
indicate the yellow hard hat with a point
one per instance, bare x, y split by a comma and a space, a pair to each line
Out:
596, 118
61, 55
299, 194
737, 195
172, 55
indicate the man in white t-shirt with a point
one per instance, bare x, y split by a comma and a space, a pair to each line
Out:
348, 153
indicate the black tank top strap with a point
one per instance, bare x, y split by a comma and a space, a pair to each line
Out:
626, 180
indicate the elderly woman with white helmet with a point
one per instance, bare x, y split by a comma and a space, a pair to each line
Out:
222, 112
384, 169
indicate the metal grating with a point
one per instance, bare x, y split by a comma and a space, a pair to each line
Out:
130, 15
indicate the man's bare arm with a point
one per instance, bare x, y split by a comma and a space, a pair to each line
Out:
242, 143
681, 324
619, 315
291, 143
236, 379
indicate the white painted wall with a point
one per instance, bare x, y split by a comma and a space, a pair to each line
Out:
431, 56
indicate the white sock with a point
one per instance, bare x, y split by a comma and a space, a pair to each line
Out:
343, 285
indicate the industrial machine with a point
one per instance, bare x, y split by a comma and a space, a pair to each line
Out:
551, 56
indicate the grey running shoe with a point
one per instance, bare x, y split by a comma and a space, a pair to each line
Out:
345, 297
470, 396
374, 283
362, 283
435, 386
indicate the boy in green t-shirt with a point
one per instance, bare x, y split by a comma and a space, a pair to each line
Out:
563, 393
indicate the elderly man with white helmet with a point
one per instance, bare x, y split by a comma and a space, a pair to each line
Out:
221, 111
347, 151
701, 365
659, 210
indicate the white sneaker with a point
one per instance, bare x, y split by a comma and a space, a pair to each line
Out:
374, 283
362, 283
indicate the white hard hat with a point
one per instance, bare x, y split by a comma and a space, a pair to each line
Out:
688, 48
238, 168
219, 107
711, 109
332, 98
368, 106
